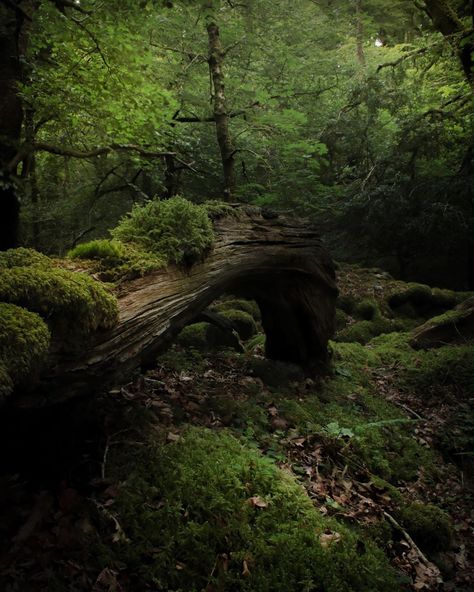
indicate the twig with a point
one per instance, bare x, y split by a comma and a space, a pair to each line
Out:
396, 525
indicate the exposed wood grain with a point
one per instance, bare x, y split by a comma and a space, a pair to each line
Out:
278, 261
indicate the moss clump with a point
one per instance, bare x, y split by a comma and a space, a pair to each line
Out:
24, 343
248, 306
367, 309
207, 512
194, 335
72, 302
243, 322
429, 526
108, 250
416, 294
364, 331
118, 261
176, 230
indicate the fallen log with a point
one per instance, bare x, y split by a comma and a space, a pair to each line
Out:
278, 261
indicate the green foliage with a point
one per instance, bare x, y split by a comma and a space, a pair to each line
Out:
190, 502
429, 526
175, 229
22, 257
24, 343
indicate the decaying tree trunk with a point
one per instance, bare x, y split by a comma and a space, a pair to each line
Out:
278, 261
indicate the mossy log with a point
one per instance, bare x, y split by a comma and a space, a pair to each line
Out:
277, 261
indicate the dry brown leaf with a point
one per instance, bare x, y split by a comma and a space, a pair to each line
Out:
329, 538
257, 502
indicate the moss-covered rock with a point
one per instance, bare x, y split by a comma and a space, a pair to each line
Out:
72, 302
367, 309
194, 335
175, 229
23, 257
206, 511
248, 306
243, 322
364, 331
429, 526
419, 295
24, 343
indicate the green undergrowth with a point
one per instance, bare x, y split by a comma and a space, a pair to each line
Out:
207, 512
40, 299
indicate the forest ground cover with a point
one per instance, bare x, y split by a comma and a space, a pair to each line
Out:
381, 447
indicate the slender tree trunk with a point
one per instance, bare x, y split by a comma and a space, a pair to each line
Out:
11, 116
221, 115
28, 173
360, 34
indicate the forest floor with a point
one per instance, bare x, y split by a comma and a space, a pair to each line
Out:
383, 445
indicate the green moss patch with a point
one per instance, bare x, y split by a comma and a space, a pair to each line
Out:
118, 261
248, 306
72, 302
24, 343
208, 512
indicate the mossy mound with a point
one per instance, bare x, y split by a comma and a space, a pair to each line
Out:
194, 335
73, 303
248, 306
206, 512
275, 373
429, 526
367, 309
24, 343
364, 331
175, 229
243, 322
37, 296
116, 260
23, 257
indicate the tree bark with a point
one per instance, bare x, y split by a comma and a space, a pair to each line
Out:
360, 35
14, 25
447, 22
277, 261
221, 115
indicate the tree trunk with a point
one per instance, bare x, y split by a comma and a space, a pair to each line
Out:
360, 35
12, 40
279, 262
221, 115
447, 22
